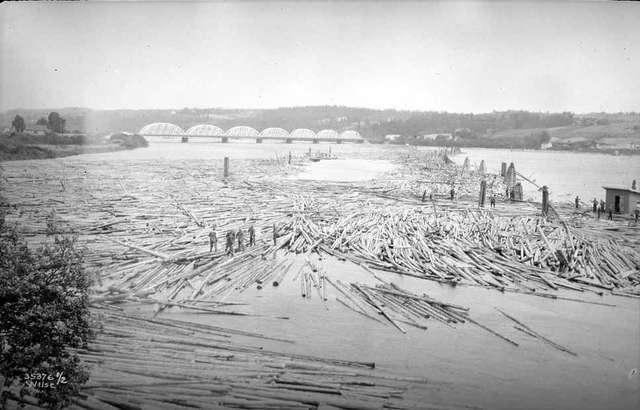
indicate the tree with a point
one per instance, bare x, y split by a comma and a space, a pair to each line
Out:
18, 123
56, 122
44, 317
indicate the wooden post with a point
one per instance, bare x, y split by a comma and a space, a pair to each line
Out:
545, 200
226, 167
517, 192
483, 193
510, 176
289, 157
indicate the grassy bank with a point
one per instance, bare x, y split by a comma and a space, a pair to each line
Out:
14, 146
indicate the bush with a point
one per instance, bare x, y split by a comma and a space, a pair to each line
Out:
129, 141
44, 312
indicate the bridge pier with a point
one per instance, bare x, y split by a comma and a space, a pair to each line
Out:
315, 141
225, 139
185, 139
258, 140
288, 141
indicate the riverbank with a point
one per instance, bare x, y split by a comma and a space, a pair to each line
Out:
435, 267
15, 147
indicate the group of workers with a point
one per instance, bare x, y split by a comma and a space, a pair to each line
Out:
452, 194
600, 207
232, 237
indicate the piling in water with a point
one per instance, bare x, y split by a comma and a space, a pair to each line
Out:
545, 200
483, 192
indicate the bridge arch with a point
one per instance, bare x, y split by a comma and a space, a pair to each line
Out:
161, 128
274, 132
205, 129
332, 134
302, 133
242, 131
351, 134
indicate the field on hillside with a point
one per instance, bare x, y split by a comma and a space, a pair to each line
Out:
621, 135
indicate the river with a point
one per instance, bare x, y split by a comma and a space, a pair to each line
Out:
465, 366
567, 174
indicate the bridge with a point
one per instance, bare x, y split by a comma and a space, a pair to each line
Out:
243, 132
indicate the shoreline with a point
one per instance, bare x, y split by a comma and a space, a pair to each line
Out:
27, 146
44, 151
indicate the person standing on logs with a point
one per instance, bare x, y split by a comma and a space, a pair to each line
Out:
610, 214
601, 206
453, 193
213, 239
240, 236
252, 235
493, 201
636, 213
577, 202
595, 205
230, 239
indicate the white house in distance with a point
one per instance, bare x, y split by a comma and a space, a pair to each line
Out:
38, 129
392, 137
434, 137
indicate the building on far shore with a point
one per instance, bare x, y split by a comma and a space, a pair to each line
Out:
392, 137
436, 137
621, 200
38, 129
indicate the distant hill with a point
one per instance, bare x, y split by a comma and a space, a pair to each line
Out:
496, 129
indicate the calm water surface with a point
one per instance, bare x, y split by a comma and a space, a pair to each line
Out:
566, 173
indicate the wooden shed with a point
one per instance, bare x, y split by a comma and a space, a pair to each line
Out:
621, 200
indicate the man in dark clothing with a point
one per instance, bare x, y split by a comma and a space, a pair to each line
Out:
230, 240
493, 201
213, 239
595, 205
252, 236
602, 206
453, 193
577, 202
610, 214
636, 214
240, 237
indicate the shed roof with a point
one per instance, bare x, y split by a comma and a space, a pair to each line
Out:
622, 188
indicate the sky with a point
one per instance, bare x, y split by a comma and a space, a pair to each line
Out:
453, 56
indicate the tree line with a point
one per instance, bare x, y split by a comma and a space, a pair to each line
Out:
54, 123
